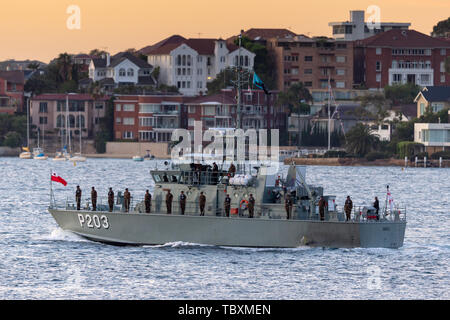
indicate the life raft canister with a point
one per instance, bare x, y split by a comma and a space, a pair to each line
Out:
243, 204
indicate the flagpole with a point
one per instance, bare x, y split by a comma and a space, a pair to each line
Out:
51, 188
385, 205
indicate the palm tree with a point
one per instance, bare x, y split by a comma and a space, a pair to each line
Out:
295, 98
64, 66
96, 92
360, 140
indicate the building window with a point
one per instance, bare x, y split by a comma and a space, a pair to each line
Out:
443, 52
43, 107
128, 135
128, 107
308, 71
442, 77
60, 121
340, 84
340, 59
130, 72
191, 122
122, 72
146, 121
378, 51
128, 121
422, 109
42, 120
308, 83
378, 77
118, 120
118, 107
340, 72
424, 79
191, 109
294, 71
378, 66
308, 58
397, 78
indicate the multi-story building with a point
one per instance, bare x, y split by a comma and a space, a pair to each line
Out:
434, 136
434, 99
11, 91
313, 61
258, 111
357, 28
189, 64
123, 68
399, 57
48, 113
148, 117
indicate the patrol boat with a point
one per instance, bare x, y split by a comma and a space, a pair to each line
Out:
268, 228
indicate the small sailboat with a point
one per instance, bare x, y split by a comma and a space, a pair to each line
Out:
149, 156
38, 152
138, 157
26, 154
78, 156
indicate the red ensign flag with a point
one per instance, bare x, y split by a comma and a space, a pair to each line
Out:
57, 178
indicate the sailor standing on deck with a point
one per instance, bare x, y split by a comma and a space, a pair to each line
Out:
94, 199
111, 199
376, 205
127, 199
348, 206
288, 206
231, 170
227, 205
251, 206
78, 197
182, 202
322, 205
202, 202
147, 201
169, 198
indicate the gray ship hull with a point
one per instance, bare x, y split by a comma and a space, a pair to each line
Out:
157, 229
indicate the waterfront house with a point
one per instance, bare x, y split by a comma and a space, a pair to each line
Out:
11, 91
433, 99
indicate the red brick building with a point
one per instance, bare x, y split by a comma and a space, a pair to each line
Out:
401, 56
148, 117
11, 91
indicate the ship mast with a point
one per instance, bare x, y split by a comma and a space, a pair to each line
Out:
239, 112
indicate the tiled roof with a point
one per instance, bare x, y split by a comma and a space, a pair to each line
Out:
257, 34
397, 38
222, 98
436, 94
15, 76
118, 58
170, 40
203, 46
146, 80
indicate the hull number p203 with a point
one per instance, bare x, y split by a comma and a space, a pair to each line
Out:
93, 221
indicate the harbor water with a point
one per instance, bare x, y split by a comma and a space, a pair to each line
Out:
38, 260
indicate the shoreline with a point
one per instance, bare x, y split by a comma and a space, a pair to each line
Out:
358, 162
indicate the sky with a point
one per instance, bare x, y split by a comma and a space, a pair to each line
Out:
41, 29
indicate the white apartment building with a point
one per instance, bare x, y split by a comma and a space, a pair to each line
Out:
357, 28
189, 64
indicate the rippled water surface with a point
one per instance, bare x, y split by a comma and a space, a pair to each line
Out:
40, 261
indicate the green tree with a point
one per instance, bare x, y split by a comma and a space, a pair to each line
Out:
224, 79
13, 139
360, 140
296, 98
401, 93
441, 28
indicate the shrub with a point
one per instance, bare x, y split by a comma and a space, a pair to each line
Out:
12, 140
335, 154
444, 154
374, 155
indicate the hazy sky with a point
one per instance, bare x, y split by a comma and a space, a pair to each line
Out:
37, 29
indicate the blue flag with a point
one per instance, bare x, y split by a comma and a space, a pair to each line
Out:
258, 83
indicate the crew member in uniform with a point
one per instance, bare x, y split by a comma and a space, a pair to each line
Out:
227, 205
147, 201
376, 205
202, 202
215, 173
322, 205
182, 202
127, 199
288, 206
111, 199
231, 170
348, 206
169, 198
94, 199
251, 206
78, 197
